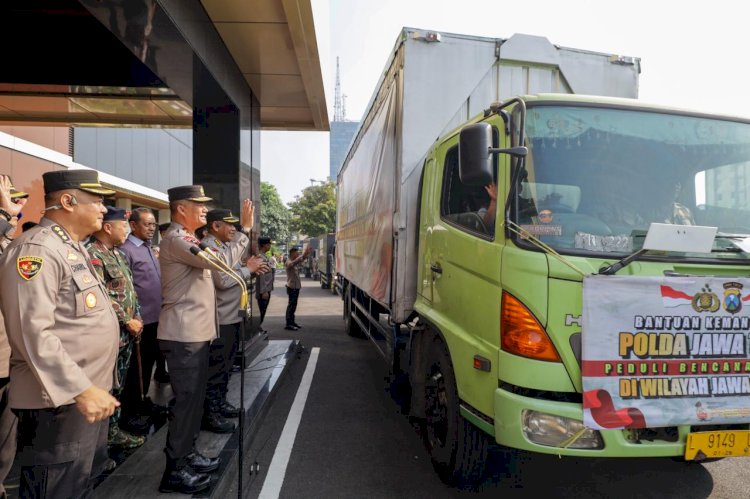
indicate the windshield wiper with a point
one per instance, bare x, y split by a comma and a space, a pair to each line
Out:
612, 269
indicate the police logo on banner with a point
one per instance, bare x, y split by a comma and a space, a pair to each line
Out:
732, 297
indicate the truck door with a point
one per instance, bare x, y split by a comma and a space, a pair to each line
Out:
465, 250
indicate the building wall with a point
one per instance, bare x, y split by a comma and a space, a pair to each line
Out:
55, 138
342, 133
154, 157
26, 172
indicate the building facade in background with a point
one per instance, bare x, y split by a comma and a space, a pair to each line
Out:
342, 133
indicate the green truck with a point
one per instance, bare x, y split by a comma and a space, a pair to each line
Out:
561, 273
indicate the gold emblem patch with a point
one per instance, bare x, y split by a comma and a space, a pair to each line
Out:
72, 255
29, 266
91, 300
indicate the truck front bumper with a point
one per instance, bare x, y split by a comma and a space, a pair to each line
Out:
509, 430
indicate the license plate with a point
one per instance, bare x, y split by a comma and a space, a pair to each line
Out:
717, 444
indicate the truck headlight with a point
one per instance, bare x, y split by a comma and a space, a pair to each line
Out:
558, 431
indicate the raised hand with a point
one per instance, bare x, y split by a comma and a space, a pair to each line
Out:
247, 215
6, 203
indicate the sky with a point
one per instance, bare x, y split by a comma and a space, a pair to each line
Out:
693, 55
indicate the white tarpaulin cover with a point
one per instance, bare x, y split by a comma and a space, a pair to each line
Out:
661, 351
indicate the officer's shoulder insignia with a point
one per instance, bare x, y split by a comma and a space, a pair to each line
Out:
217, 243
29, 266
60, 233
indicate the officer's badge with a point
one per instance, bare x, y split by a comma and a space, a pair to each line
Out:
90, 300
732, 297
72, 255
706, 301
29, 266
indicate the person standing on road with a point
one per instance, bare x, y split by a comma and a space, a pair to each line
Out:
9, 209
63, 335
293, 285
264, 286
144, 266
231, 246
112, 268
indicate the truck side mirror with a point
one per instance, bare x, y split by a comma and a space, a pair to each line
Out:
475, 154
474, 157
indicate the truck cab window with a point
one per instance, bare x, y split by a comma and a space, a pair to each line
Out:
468, 207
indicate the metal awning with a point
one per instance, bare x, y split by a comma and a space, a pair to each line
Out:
272, 42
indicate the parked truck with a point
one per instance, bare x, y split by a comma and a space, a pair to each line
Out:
327, 262
545, 262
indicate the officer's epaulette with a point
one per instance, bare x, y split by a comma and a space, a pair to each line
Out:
39, 236
60, 232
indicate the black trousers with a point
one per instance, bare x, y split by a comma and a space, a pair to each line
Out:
56, 451
263, 306
131, 392
220, 359
188, 369
291, 308
8, 423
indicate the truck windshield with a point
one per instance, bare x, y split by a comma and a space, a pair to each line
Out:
595, 178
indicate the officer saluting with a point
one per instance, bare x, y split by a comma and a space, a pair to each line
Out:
63, 335
187, 324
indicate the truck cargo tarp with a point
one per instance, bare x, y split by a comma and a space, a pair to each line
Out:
365, 199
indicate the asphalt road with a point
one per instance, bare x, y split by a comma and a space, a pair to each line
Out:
352, 441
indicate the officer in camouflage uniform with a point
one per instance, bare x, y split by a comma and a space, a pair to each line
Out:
113, 269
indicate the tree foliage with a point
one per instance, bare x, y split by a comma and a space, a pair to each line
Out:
274, 215
314, 212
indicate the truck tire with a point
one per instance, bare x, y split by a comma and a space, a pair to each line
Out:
352, 328
458, 449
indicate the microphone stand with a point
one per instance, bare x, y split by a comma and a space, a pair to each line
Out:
216, 262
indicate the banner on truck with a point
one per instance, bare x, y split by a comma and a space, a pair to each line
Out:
660, 351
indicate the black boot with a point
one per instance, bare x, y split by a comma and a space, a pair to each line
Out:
228, 410
203, 464
214, 422
185, 480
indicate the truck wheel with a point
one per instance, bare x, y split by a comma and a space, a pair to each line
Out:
352, 328
458, 449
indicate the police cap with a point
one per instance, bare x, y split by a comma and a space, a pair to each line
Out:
188, 192
264, 240
15, 193
84, 180
221, 215
114, 214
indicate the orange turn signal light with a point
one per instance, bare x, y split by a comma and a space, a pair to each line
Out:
522, 334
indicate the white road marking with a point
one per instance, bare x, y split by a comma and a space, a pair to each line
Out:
276, 471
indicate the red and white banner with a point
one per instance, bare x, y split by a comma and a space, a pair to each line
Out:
665, 351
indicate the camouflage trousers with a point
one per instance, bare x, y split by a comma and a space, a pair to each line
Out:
123, 362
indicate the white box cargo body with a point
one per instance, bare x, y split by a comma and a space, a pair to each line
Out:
432, 83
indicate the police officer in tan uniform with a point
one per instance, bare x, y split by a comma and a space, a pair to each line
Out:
187, 324
231, 246
63, 335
